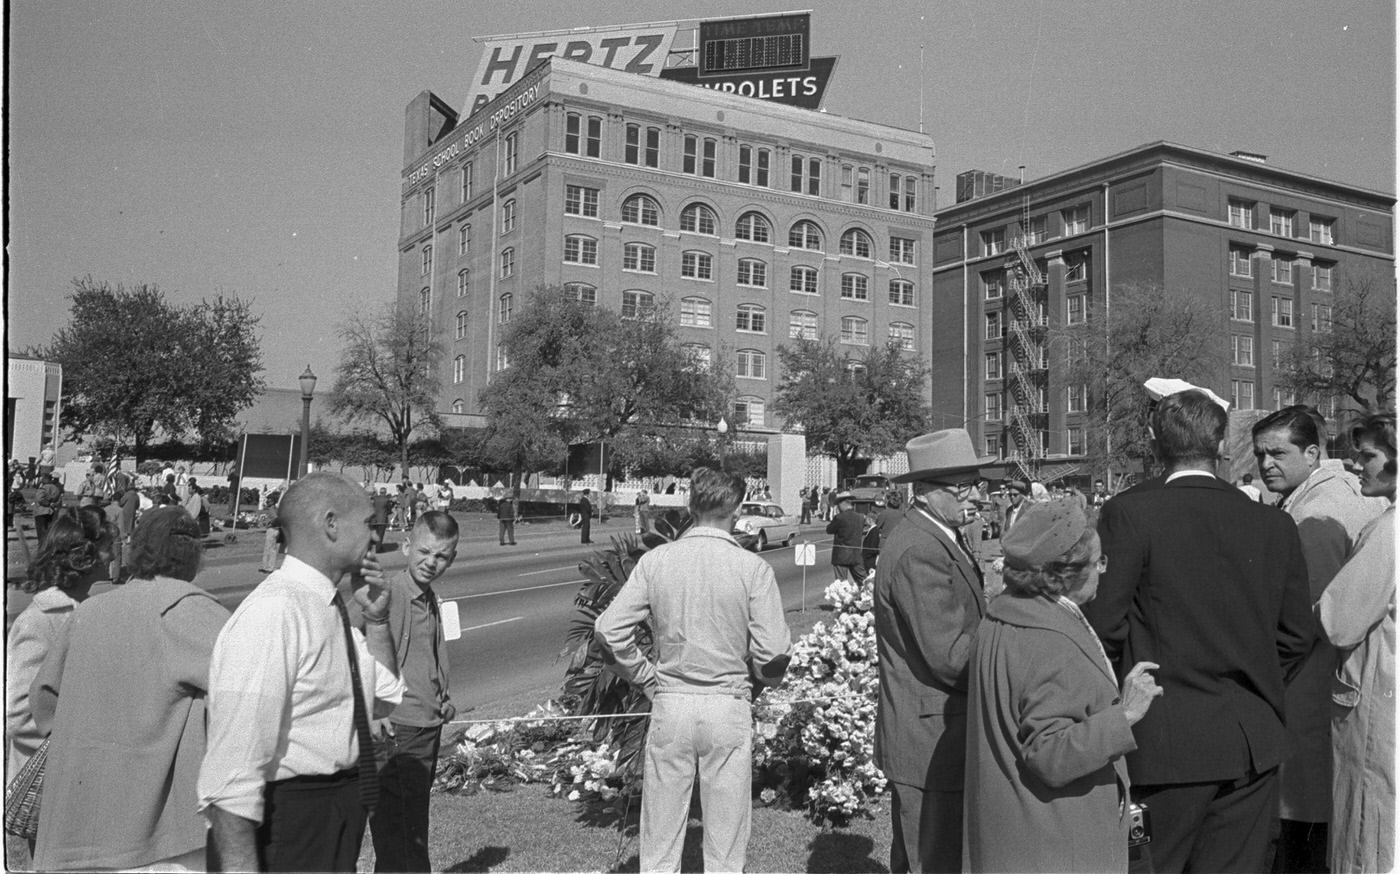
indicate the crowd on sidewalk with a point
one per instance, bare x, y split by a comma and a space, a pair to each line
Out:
1174, 678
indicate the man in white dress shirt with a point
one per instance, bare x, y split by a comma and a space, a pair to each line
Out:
288, 778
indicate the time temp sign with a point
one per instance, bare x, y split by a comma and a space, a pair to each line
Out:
738, 45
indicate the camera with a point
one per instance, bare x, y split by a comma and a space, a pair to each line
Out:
1139, 825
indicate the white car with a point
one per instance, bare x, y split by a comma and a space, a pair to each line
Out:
767, 523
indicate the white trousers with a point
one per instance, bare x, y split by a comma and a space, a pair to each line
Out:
708, 735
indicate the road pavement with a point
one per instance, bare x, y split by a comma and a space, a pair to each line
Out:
515, 603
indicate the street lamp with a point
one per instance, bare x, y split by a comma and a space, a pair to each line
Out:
308, 388
722, 428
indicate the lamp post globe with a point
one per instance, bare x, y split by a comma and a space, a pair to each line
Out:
308, 389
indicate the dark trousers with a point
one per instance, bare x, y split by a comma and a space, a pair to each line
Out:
806, 515
41, 526
312, 823
928, 827
1301, 848
585, 526
1210, 826
400, 822
507, 531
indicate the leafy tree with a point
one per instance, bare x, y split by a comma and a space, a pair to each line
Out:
1145, 331
388, 372
851, 406
586, 373
134, 363
1354, 355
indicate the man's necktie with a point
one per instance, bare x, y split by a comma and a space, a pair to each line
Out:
369, 776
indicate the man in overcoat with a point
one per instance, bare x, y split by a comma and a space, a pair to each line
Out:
928, 603
847, 528
1212, 587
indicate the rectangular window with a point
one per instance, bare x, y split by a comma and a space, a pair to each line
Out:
467, 172
994, 241
573, 132
814, 176
745, 163
748, 411
1283, 270
1283, 398
991, 444
1281, 222
429, 205
459, 369
1320, 231
502, 357
695, 312
1076, 219
1241, 213
761, 179
993, 365
855, 286
901, 250
464, 239
855, 332
994, 282
696, 265
653, 149
894, 190
1241, 394
512, 149
802, 325
750, 319
688, 154
594, 143
1241, 264
1074, 309
639, 257
1075, 398
707, 158
1035, 231
1322, 277
580, 250
803, 280
1074, 441
1280, 354
1077, 267
1283, 312
1241, 305
632, 145
991, 404
910, 193
993, 321
1242, 350
902, 334
753, 273
901, 293
795, 177
1322, 318
579, 200
751, 364
427, 260
863, 185
848, 182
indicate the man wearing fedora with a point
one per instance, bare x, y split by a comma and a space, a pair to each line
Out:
928, 603
847, 528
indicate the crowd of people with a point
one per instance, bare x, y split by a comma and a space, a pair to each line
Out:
1176, 677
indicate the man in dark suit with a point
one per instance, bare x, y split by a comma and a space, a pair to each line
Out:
1213, 587
847, 528
928, 603
585, 513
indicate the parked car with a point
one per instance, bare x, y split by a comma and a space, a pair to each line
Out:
767, 523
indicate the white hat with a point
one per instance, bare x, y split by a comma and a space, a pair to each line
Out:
1159, 387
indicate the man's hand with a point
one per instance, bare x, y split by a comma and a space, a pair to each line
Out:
1139, 688
381, 729
371, 590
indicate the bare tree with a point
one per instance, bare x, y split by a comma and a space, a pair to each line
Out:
1349, 352
388, 374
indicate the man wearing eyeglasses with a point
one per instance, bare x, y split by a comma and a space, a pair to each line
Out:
928, 603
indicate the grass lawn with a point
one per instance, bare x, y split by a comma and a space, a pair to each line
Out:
528, 830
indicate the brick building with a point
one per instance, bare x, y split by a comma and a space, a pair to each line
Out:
752, 221
1269, 245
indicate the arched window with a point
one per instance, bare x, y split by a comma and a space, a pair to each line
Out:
427, 261
803, 280
579, 249
464, 283
508, 216
581, 292
506, 305
459, 406
751, 318
903, 334
802, 324
459, 368
751, 364
638, 304
753, 272
508, 262
855, 331
805, 235
856, 242
753, 227
425, 301
697, 265
698, 219
641, 209
748, 411
696, 313
855, 286
901, 292
639, 257
699, 355
464, 239
461, 324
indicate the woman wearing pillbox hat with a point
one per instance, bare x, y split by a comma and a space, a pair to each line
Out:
1048, 727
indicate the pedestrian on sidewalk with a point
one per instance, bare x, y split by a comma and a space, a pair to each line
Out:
585, 512
507, 514
716, 610
408, 750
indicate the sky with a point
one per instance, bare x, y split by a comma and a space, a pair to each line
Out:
256, 148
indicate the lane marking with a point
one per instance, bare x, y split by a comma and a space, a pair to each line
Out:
548, 571
513, 591
489, 624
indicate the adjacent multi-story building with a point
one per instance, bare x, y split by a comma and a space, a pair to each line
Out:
1270, 246
753, 222
33, 393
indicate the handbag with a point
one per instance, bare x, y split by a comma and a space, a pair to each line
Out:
22, 795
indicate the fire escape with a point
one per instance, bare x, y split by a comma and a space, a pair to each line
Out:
1027, 415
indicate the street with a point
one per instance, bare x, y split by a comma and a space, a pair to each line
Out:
515, 602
